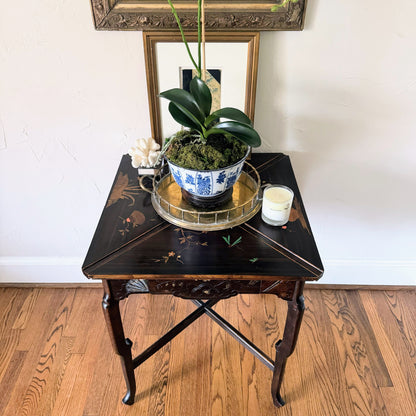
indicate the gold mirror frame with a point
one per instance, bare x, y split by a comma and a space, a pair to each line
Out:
150, 39
219, 14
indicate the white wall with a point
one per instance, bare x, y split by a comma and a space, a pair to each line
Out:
72, 100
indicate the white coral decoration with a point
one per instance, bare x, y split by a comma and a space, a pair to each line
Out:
145, 153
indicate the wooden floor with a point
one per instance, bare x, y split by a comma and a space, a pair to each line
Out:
356, 355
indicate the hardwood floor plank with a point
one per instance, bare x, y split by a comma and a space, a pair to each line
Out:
157, 400
87, 303
396, 320
26, 310
44, 315
231, 361
107, 379
26, 374
67, 401
31, 340
255, 378
11, 300
193, 368
218, 377
11, 377
403, 308
42, 390
164, 321
161, 320
80, 373
399, 398
57, 367
8, 345
320, 363
350, 329
177, 367
81, 367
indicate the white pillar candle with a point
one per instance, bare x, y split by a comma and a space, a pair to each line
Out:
277, 202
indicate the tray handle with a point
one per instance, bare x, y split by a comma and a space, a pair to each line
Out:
142, 185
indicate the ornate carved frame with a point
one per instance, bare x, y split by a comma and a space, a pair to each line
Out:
220, 15
151, 38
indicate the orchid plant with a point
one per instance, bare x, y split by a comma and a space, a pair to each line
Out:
193, 109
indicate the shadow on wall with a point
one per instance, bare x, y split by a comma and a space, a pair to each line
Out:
270, 80
269, 104
310, 16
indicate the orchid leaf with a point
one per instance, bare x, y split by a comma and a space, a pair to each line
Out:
202, 95
239, 130
230, 113
181, 117
190, 116
184, 100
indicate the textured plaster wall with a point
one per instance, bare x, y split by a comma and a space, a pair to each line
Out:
339, 98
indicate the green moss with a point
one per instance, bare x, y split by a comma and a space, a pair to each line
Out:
217, 153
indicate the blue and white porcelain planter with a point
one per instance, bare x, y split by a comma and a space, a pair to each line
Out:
207, 183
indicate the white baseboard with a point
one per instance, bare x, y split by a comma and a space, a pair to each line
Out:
41, 270
369, 272
341, 272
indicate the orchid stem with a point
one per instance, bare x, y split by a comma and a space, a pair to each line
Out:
199, 37
198, 68
204, 66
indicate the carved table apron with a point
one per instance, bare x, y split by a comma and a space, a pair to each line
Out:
135, 251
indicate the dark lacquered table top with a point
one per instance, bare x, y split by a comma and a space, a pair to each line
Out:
131, 240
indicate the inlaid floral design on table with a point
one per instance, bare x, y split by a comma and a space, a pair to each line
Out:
135, 219
187, 239
296, 214
122, 189
170, 256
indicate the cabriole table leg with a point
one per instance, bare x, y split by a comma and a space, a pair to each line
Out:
286, 346
122, 346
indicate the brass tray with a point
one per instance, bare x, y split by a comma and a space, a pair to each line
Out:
245, 203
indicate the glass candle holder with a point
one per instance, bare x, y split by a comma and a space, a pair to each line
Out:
277, 203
